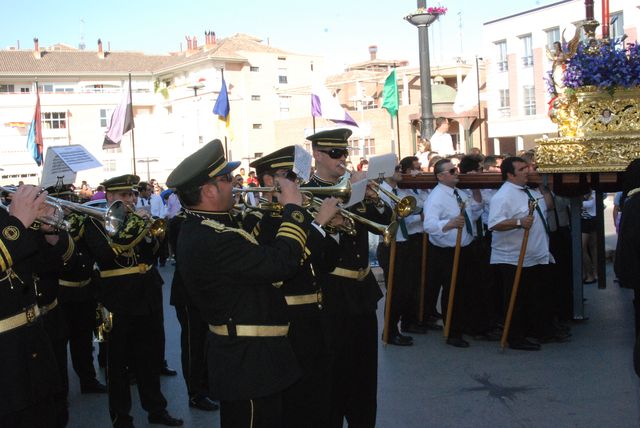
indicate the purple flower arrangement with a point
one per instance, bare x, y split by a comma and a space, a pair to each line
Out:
610, 66
433, 10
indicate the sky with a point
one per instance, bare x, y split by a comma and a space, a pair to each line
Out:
339, 30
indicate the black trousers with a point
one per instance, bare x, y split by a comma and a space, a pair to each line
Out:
264, 412
56, 328
355, 370
135, 340
38, 415
560, 245
81, 319
531, 315
405, 282
306, 403
439, 274
193, 333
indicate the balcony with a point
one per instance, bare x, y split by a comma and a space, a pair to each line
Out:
502, 66
527, 61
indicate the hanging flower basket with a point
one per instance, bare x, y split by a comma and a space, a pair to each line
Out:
426, 15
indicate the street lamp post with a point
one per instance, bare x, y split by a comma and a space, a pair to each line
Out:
422, 20
148, 161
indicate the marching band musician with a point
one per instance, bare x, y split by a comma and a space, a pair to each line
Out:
351, 293
31, 391
305, 403
447, 213
130, 290
76, 296
231, 278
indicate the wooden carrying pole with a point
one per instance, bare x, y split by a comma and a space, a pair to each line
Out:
454, 277
387, 306
423, 277
516, 281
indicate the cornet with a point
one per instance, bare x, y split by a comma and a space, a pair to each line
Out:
404, 206
56, 219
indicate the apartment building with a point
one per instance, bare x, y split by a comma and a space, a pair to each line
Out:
173, 97
516, 51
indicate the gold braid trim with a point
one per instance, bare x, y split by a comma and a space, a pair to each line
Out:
219, 227
633, 192
70, 248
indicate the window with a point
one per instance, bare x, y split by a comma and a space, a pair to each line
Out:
257, 126
48, 87
25, 90
105, 117
114, 150
553, 35
501, 48
109, 165
7, 88
254, 69
282, 76
285, 102
529, 100
504, 109
54, 120
282, 58
368, 145
63, 89
527, 51
616, 25
255, 97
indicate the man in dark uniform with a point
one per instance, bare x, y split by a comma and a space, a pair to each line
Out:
351, 294
306, 402
28, 369
193, 331
76, 296
231, 278
129, 289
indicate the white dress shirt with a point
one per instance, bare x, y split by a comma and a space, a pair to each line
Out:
157, 206
511, 202
442, 143
487, 194
440, 208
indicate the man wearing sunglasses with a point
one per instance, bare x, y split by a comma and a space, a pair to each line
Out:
235, 283
351, 293
449, 211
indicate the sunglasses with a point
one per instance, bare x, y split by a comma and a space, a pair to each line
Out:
224, 177
336, 153
452, 171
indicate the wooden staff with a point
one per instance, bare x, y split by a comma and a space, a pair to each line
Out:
454, 276
387, 306
516, 280
423, 277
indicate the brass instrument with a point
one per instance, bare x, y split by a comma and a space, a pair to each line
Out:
56, 219
341, 190
404, 206
105, 319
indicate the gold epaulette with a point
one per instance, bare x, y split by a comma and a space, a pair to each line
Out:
293, 231
220, 228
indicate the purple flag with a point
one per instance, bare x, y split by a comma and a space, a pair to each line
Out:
121, 122
326, 106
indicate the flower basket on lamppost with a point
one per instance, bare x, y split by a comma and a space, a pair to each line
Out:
422, 18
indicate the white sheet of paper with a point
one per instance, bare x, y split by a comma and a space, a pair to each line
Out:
382, 166
357, 193
302, 163
61, 163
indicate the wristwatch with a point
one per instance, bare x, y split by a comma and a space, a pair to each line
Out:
518, 223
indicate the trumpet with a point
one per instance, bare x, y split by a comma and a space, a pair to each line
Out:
404, 206
341, 190
56, 219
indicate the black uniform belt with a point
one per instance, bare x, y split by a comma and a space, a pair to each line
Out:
141, 268
358, 275
304, 299
250, 330
74, 283
27, 316
46, 308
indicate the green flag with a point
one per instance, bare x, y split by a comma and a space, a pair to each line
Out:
390, 94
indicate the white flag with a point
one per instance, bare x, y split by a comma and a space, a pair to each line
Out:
467, 97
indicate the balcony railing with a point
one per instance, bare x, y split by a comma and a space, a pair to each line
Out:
527, 61
503, 66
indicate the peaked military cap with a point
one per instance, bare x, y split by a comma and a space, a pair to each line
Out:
122, 182
280, 159
200, 166
330, 138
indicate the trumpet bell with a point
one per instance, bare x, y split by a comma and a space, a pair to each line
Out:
114, 217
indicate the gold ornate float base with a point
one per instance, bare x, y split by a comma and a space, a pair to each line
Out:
595, 154
599, 132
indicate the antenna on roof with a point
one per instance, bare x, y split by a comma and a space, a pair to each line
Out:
81, 45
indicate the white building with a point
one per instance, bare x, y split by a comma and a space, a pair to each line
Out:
515, 49
173, 97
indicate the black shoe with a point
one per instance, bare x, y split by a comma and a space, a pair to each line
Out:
203, 402
415, 329
93, 387
558, 337
167, 371
166, 419
400, 340
458, 342
434, 326
489, 336
524, 345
